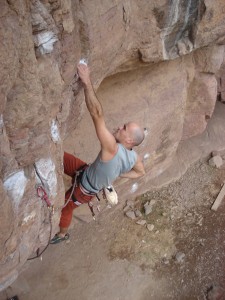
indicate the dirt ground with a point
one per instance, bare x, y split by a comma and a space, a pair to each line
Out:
114, 258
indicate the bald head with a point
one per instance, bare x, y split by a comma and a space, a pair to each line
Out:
137, 133
130, 135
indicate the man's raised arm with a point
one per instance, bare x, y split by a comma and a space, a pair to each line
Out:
107, 140
93, 105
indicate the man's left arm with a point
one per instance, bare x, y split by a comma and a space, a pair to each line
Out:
137, 171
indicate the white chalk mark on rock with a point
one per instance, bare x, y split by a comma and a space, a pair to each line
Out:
83, 61
1, 121
145, 132
15, 186
134, 187
46, 170
55, 132
28, 218
45, 41
146, 156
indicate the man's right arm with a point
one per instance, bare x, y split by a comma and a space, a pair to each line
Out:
107, 140
93, 105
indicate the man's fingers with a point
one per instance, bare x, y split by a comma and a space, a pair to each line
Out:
83, 72
82, 67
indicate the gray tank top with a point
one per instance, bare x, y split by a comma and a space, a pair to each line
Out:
101, 174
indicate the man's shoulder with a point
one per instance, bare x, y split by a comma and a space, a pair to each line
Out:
121, 146
129, 153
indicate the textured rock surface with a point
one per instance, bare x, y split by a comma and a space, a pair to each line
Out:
171, 53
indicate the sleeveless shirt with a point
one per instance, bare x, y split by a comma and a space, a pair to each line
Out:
101, 173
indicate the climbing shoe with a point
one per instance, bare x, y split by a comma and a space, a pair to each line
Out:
57, 239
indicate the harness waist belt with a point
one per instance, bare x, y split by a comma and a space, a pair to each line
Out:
86, 192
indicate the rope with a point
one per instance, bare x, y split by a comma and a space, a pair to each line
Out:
43, 195
49, 239
73, 188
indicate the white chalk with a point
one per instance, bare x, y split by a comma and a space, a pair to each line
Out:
15, 186
1, 124
146, 132
29, 217
45, 41
134, 187
55, 132
46, 169
146, 155
83, 61
1, 121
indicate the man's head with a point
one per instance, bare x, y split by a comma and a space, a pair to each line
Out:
130, 135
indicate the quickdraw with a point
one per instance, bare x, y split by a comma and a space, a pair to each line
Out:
43, 195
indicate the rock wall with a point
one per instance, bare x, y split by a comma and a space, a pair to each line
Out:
153, 62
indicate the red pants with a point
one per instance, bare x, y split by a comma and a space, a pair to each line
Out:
71, 165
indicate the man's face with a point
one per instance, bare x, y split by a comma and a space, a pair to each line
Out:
122, 133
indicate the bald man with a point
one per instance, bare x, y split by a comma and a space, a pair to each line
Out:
116, 158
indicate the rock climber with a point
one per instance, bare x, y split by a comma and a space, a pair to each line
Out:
116, 157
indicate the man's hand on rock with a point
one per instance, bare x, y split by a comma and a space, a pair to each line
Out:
84, 73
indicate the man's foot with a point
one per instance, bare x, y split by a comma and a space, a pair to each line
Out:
57, 238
